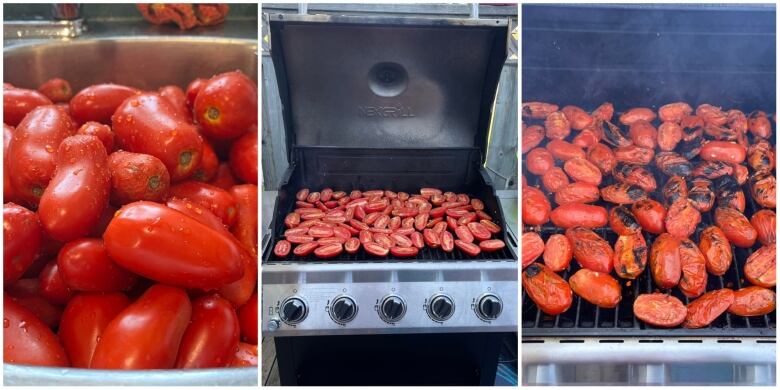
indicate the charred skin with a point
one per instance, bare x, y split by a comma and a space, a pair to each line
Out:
590, 250
694, 270
735, 226
538, 110
622, 221
728, 193
708, 307
633, 154
761, 156
636, 175
630, 258
650, 214
764, 221
763, 189
701, 194
612, 135
548, 290
675, 189
712, 169
673, 164
623, 194
716, 249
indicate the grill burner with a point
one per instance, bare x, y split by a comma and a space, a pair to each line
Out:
586, 319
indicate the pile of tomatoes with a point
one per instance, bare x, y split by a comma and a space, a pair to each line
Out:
657, 177
130, 225
384, 222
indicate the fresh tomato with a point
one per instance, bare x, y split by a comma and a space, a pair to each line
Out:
83, 322
8, 188
103, 132
147, 334
245, 356
245, 228
178, 99
98, 102
224, 178
27, 340
211, 337
85, 266
193, 89
78, 193
18, 102
209, 164
243, 157
53, 285
57, 90
21, 240
33, 151
149, 124
226, 105
247, 316
140, 238
137, 176
27, 292
217, 200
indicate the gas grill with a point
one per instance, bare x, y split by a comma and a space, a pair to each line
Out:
646, 56
400, 104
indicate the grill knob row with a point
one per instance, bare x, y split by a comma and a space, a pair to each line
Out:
392, 308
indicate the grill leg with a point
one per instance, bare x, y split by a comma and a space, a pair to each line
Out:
285, 361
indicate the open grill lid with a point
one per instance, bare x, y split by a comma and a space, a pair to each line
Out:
386, 82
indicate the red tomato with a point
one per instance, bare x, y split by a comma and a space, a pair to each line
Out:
247, 316
98, 102
78, 193
246, 356
33, 150
21, 240
27, 292
217, 200
18, 102
27, 340
103, 132
57, 90
197, 212
226, 105
137, 176
8, 189
147, 333
85, 266
53, 286
140, 238
148, 124
243, 157
245, 228
209, 164
83, 322
178, 100
211, 338
192, 91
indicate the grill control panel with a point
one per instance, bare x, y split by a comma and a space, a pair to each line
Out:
298, 309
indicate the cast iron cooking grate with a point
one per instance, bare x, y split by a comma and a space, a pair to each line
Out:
425, 254
586, 319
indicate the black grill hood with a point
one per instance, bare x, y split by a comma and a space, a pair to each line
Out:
387, 83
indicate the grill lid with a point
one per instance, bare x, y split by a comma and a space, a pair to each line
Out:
386, 82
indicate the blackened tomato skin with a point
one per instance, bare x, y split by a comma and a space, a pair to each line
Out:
78, 193
661, 310
147, 334
735, 226
98, 102
149, 124
139, 239
590, 250
630, 257
650, 214
22, 238
716, 249
548, 290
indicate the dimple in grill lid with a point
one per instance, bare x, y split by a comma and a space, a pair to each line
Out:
386, 82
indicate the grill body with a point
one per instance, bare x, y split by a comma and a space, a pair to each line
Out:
403, 104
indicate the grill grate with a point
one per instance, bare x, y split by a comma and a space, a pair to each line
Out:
426, 254
586, 319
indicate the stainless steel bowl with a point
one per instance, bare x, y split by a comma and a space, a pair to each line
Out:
145, 63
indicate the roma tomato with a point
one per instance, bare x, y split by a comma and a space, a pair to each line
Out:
716, 249
53, 286
178, 100
21, 240
103, 132
27, 292
532, 247
661, 310
78, 193
243, 157
27, 340
665, 261
753, 301
247, 317
83, 322
146, 334
98, 102
85, 266
557, 252
217, 200
197, 212
8, 188
548, 290
148, 124
211, 338
708, 307
597, 288
136, 176
630, 257
139, 239
226, 105
18, 102
590, 250
245, 228
57, 90
192, 91
33, 150
536, 206
209, 164
246, 356
694, 272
